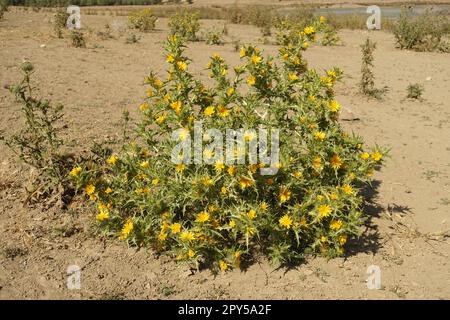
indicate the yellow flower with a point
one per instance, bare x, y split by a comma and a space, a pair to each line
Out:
222, 265
108, 190
251, 80
251, 214
237, 258
365, 156
219, 166
320, 135
264, 206
183, 134
187, 236
112, 160
175, 228
376, 156
155, 182
142, 190
322, 19
303, 222
90, 189
223, 111
296, 61
256, 59
243, 52
309, 30
347, 189
103, 215
232, 170
176, 106
324, 210
149, 93
334, 106
162, 236
230, 91
334, 196
75, 171
323, 239
158, 83
223, 190
180, 167
182, 65
249, 135
145, 164
126, 230
202, 217
292, 77
336, 162
245, 182
209, 111
208, 154
144, 106
232, 223
249, 231
317, 163
285, 221
207, 181
191, 253
161, 118
285, 195
297, 174
342, 239
170, 58
336, 225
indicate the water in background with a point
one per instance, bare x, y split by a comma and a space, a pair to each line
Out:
393, 11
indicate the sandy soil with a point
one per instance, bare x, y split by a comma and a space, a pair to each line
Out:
408, 209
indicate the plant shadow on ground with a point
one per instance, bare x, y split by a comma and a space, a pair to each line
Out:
369, 241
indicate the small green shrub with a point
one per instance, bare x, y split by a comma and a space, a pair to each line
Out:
38, 143
367, 83
59, 22
214, 36
132, 38
330, 36
3, 7
77, 38
185, 25
415, 91
106, 33
421, 33
143, 20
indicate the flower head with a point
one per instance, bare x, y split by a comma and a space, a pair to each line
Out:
284, 195
285, 221
324, 210
202, 217
126, 229
75, 171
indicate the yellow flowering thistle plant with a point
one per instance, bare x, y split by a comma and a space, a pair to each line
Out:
216, 214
